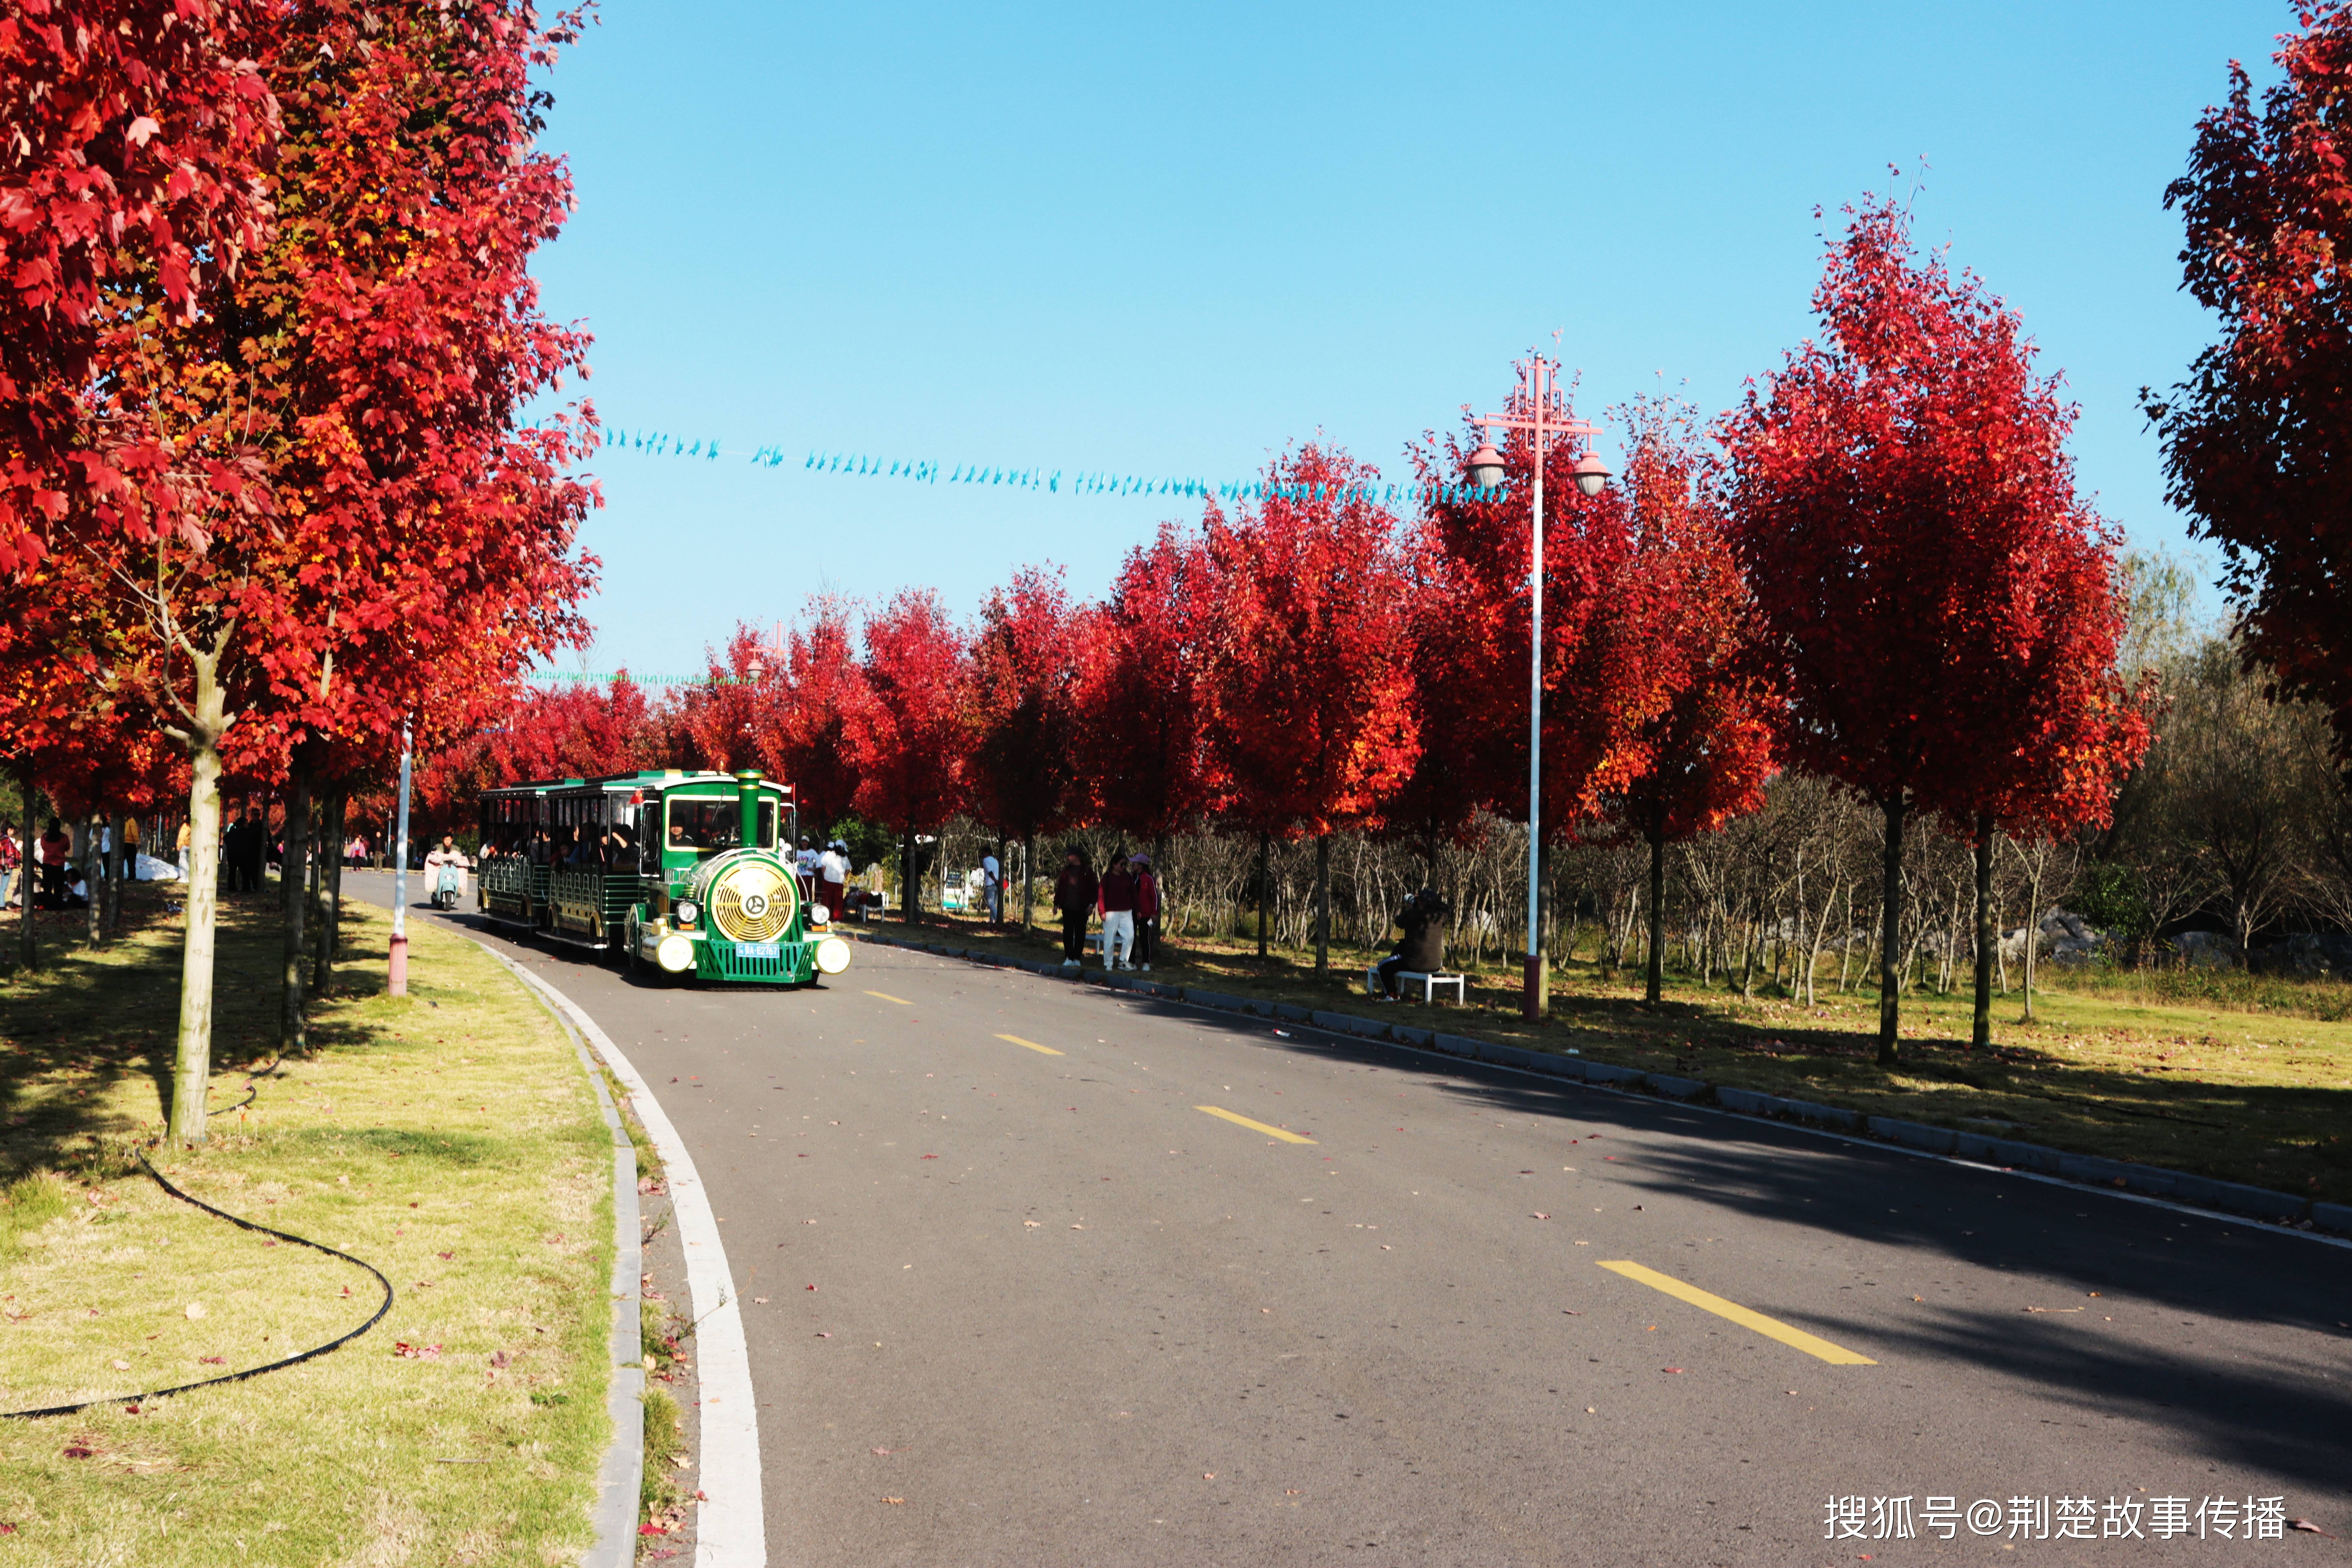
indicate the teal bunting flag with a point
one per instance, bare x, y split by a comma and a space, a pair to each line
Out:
1091, 483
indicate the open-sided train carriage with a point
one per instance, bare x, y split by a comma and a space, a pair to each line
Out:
687, 873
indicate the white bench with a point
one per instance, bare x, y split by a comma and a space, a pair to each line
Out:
1431, 984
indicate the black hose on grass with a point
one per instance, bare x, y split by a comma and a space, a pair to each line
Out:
250, 1371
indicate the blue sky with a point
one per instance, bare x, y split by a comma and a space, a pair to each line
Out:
1173, 240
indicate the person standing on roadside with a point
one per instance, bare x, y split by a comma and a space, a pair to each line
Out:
1117, 900
7, 863
833, 877
1074, 897
180, 845
992, 888
1147, 910
54, 848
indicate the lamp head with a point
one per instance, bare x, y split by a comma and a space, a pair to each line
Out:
1486, 465
1592, 473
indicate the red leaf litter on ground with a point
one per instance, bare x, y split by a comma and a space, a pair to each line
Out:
1670, 1369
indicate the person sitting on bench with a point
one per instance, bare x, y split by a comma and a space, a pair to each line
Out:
1421, 949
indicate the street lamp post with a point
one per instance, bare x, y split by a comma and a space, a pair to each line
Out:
1538, 408
396, 975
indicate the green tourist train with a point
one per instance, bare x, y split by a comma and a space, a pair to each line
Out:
679, 873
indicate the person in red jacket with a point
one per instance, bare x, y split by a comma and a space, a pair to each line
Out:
1116, 899
1147, 910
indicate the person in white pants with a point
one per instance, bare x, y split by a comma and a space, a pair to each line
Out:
1116, 901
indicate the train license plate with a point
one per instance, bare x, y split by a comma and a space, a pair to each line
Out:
758, 950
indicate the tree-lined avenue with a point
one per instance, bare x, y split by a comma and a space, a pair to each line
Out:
1066, 1317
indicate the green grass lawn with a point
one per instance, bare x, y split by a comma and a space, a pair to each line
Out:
2247, 1080
450, 1138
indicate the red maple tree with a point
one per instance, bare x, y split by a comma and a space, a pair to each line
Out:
1026, 711
133, 138
1705, 756
2254, 438
1311, 659
1143, 696
909, 726
1609, 665
348, 529
805, 712
1903, 508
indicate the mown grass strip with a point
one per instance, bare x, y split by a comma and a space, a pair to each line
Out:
451, 1138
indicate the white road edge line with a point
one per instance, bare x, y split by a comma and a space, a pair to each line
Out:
731, 1528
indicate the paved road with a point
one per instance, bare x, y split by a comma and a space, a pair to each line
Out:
1092, 1321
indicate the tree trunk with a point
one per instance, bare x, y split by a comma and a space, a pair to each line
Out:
1845, 939
192, 1065
329, 909
1988, 939
121, 863
93, 878
28, 951
2033, 931
1028, 882
910, 893
1322, 904
293, 1034
1265, 887
1813, 952
1890, 932
1657, 918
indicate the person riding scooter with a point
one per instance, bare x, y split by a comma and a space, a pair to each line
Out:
445, 873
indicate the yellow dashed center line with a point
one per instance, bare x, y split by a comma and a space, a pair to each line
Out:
1770, 1328
1253, 1126
888, 998
1030, 1044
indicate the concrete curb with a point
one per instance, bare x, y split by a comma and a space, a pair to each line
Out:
730, 1523
621, 1475
2230, 1199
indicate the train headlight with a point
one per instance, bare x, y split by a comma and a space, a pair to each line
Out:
819, 915
675, 953
685, 912
832, 955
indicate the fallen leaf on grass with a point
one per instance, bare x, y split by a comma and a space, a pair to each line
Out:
79, 1451
406, 1352
500, 1358
213, 1360
445, 1257
121, 1365
195, 1309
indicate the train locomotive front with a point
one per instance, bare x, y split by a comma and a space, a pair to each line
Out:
724, 903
